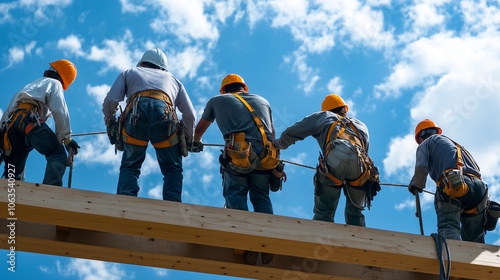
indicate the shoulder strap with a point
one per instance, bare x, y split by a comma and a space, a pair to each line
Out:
256, 119
460, 161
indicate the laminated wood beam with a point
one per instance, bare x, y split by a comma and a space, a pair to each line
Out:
246, 230
112, 247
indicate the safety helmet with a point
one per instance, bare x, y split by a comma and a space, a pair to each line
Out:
155, 56
333, 101
67, 71
232, 79
424, 125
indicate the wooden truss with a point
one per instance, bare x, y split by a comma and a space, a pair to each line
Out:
165, 234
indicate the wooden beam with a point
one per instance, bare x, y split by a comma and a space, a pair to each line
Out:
246, 230
112, 247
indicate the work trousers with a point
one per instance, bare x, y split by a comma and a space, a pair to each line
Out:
42, 139
154, 124
344, 163
236, 189
451, 213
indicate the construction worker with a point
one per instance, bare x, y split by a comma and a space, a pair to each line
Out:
344, 142
153, 94
24, 128
246, 123
461, 196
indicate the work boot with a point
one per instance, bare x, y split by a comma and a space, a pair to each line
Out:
251, 257
266, 257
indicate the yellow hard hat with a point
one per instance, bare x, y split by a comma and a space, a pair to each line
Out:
333, 101
424, 125
67, 71
232, 79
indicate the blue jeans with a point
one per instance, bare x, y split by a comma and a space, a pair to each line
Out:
450, 213
326, 200
42, 139
155, 125
236, 189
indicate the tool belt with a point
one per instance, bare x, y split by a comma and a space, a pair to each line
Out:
24, 110
370, 172
132, 105
492, 215
243, 159
452, 183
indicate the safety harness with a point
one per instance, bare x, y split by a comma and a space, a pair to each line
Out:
23, 109
132, 105
453, 184
368, 173
243, 159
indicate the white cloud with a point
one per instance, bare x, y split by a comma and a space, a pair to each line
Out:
481, 16
98, 92
71, 44
424, 15
307, 75
92, 270
131, 8
115, 54
5, 8
17, 54
99, 151
156, 192
161, 272
335, 86
187, 62
299, 158
401, 155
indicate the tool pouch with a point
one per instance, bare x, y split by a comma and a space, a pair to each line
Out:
278, 176
454, 184
119, 138
492, 215
270, 160
243, 159
182, 141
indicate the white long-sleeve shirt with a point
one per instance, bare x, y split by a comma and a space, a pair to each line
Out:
48, 94
138, 79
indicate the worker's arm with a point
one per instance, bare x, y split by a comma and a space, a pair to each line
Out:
201, 128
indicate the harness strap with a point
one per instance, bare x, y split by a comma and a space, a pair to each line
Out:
22, 109
256, 119
172, 140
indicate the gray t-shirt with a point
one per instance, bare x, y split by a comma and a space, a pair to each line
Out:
317, 126
438, 153
138, 79
232, 115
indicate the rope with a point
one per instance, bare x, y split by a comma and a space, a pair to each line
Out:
439, 240
90, 133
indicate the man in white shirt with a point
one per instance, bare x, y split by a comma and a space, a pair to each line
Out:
24, 128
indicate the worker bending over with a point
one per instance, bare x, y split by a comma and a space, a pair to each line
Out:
461, 196
344, 142
23, 126
249, 156
153, 94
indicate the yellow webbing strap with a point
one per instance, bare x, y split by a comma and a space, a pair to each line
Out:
257, 120
25, 109
361, 179
127, 139
173, 140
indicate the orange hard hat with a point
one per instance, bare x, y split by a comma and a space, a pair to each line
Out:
232, 79
333, 101
67, 71
424, 125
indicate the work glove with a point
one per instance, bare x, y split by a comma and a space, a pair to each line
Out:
415, 189
196, 146
112, 131
71, 145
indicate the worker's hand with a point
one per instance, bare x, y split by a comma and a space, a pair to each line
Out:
72, 145
415, 189
112, 131
196, 146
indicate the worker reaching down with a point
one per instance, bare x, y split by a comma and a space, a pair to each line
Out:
344, 142
461, 195
24, 129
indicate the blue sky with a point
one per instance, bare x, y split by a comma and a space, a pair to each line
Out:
394, 62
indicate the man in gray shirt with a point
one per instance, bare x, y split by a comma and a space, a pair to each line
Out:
461, 196
153, 94
344, 142
242, 162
